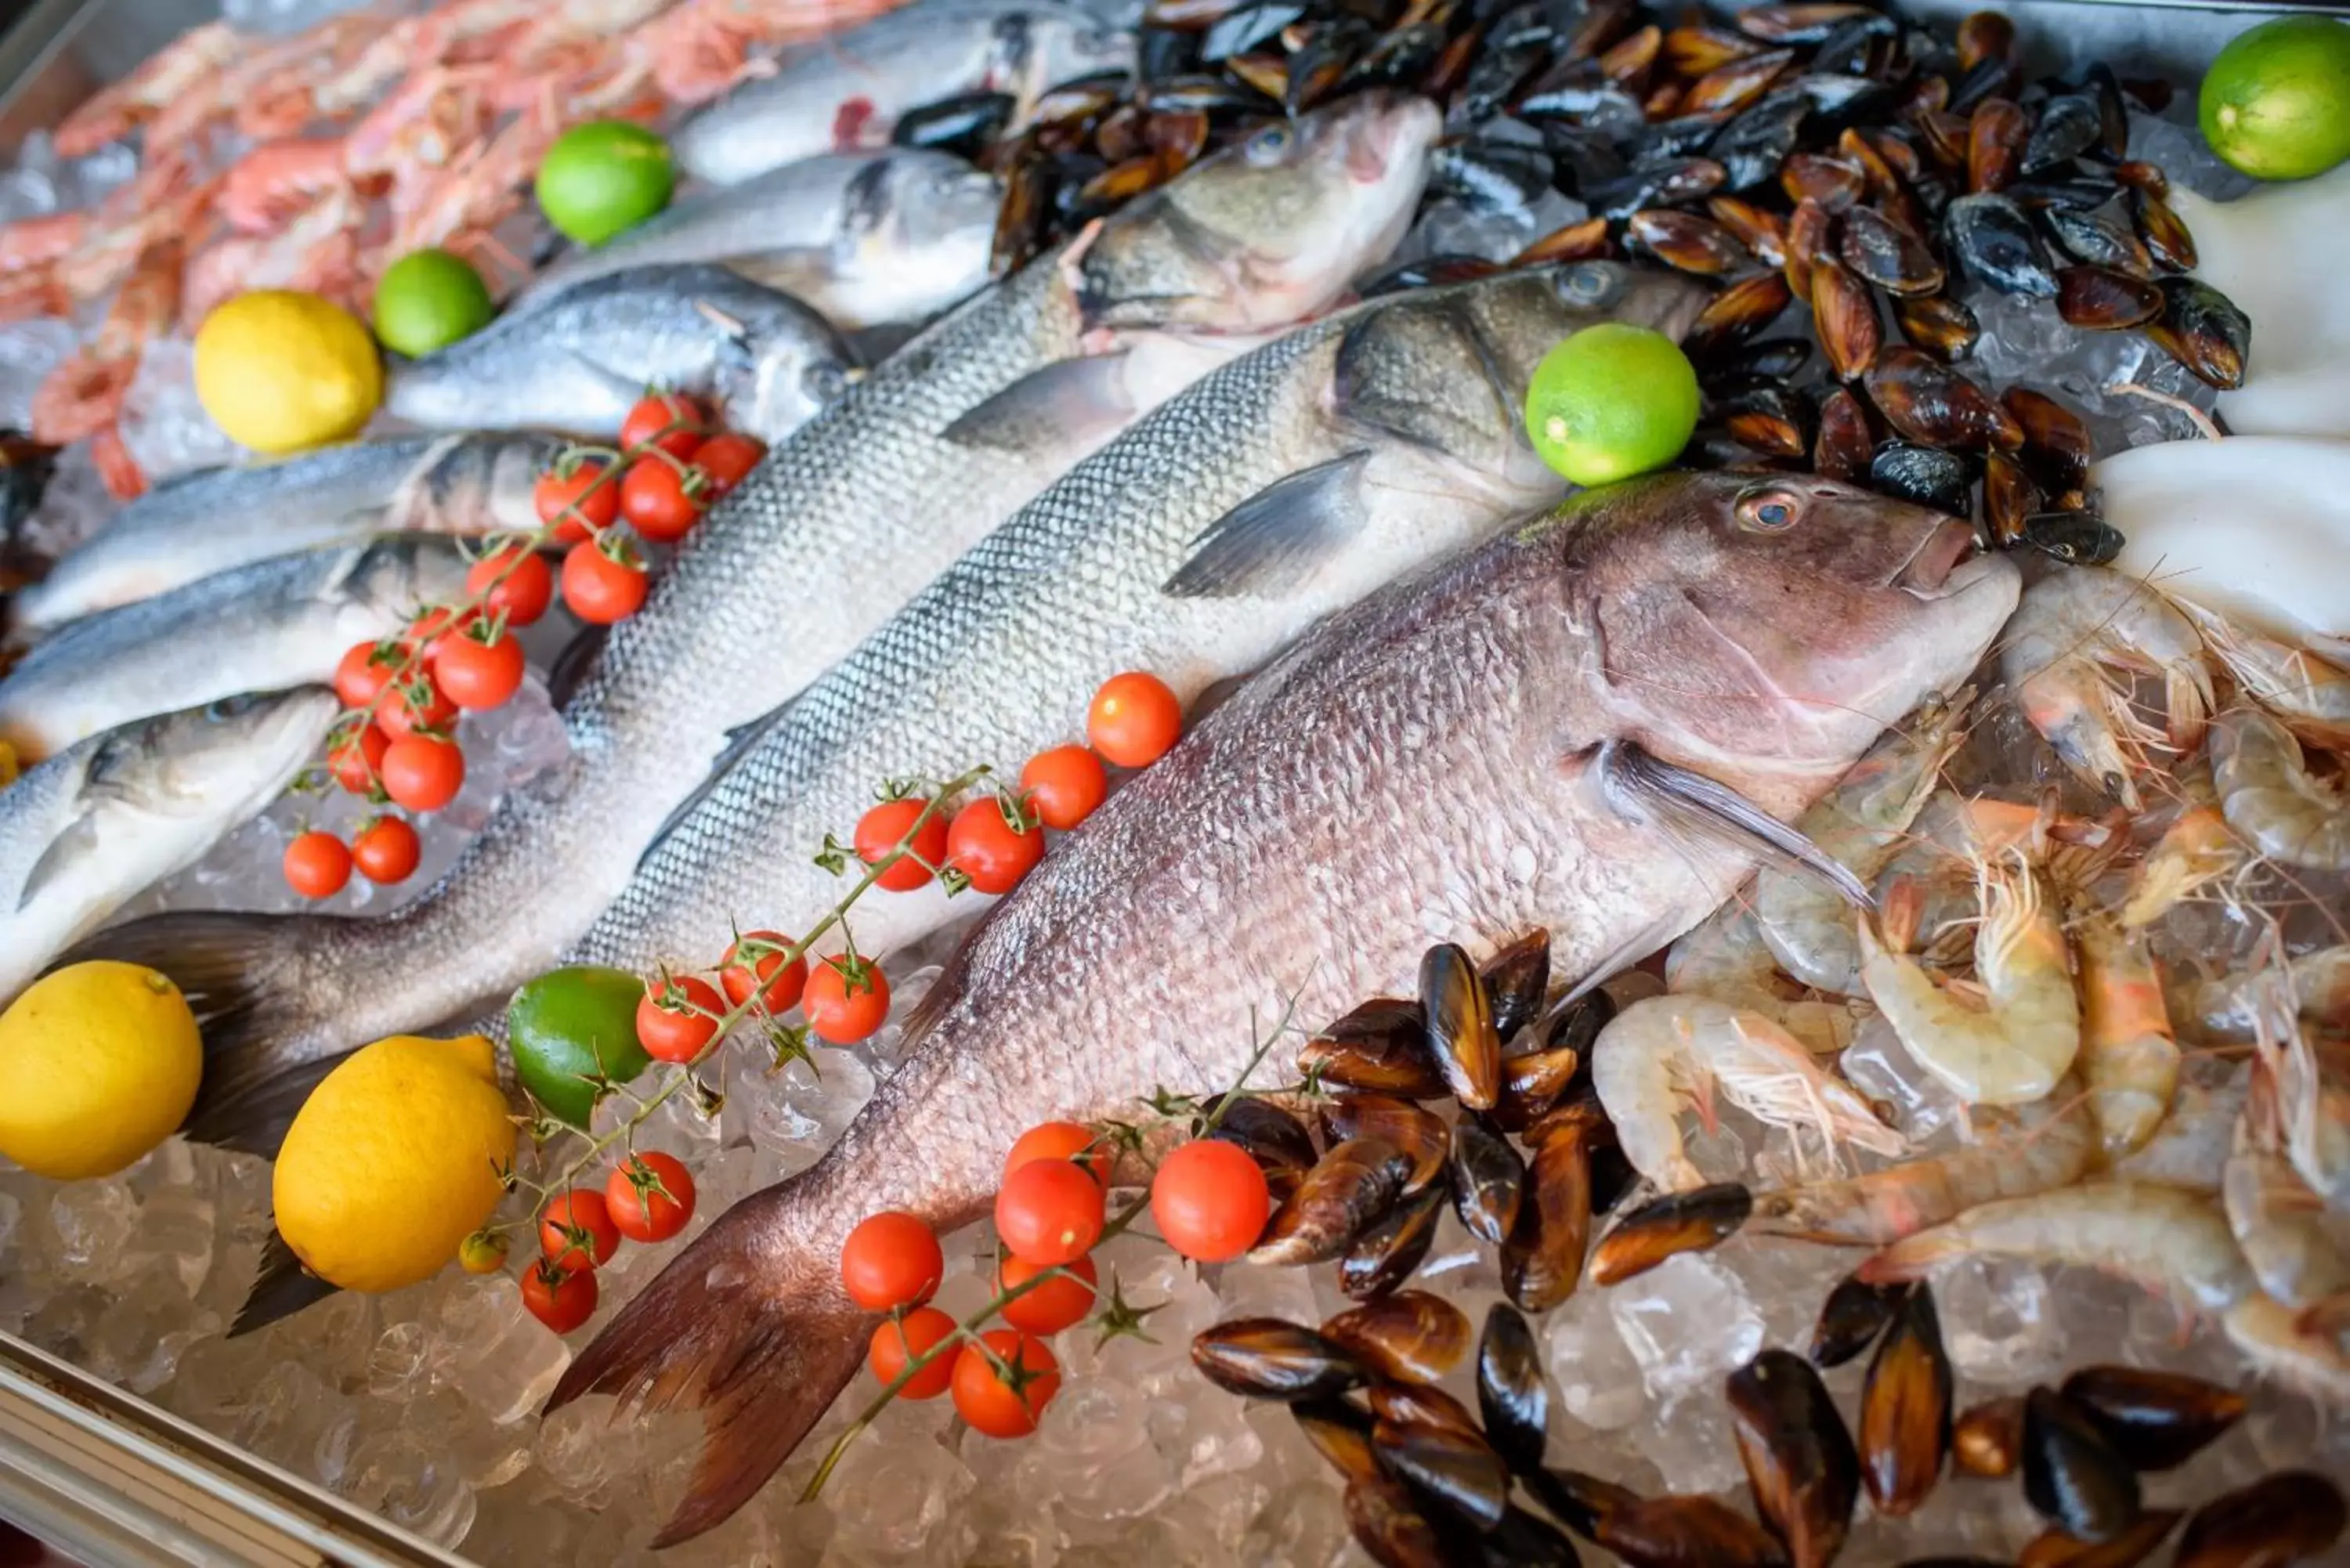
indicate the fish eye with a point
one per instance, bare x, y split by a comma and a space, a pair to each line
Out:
223, 708
1769, 508
823, 381
1588, 283
1268, 146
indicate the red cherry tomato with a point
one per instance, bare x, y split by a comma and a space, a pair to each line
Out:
478, 675
414, 706
434, 629
1052, 1307
386, 851
671, 420
365, 669
674, 1022
741, 977
422, 772
989, 850
1062, 1140
649, 1196
318, 865
1135, 720
599, 588
355, 759
575, 1231
843, 1007
727, 458
879, 831
891, 1259
560, 1300
897, 1343
1063, 785
660, 501
577, 497
524, 584
987, 1401
1209, 1200
1049, 1212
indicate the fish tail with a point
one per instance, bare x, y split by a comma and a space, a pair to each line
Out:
744, 1325
283, 1288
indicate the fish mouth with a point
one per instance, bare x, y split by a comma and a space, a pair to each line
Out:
1389, 123
1927, 573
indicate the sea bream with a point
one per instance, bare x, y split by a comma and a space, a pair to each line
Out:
90, 828
1470, 754
864, 239
194, 524
835, 531
1196, 545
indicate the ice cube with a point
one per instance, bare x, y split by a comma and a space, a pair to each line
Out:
1599, 1379
900, 1504
164, 427
494, 1352
1999, 1322
174, 1234
92, 1221
397, 1367
795, 1113
1689, 1442
1686, 1322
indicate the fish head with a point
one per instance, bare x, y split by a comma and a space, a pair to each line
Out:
1775, 625
1083, 42
1267, 231
224, 761
781, 370
483, 483
920, 205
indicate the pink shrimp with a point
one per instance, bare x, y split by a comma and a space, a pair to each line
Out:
263, 191
479, 188
36, 241
83, 395
286, 86
700, 48
319, 250
162, 202
117, 469
180, 69
435, 115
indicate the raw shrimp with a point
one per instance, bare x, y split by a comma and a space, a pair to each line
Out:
2289, 1350
2196, 850
2014, 1051
2312, 1092
457, 210
2278, 1221
2308, 693
83, 395
318, 252
270, 186
283, 88
436, 114
700, 48
36, 241
181, 68
1723, 958
2191, 1147
1937, 860
159, 204
2225, 1009
2128, 1061
2072, 631
1658, 1053
2268, 794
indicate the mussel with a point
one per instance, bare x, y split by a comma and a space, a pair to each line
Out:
1577, 1499
1488, 1180
2156, 1420
1751, 148
1810, 234
1576, 242
1693, 1222
1412, 1335
1841, 449
1939, 325
1995, 143
1882, 251
1421, 1135
1925, 474
1844, 314
2009, 498
1386, 1521
1511, 1391
1423, 1404
1348, 1189
2202, 329
1765, 234
2075, 538
2101, 299
2102, 235
1516, 981
1489, 176
961, 124
1462, 1038
1682, 1532
1905, 1408
1275, 1139
1532, 1082
1835, 182
1769, 416
1385, 1255
1932, 404
2072, 1476
2133, 1544
2069, 125
1340, 1432
1988, 1440
1381, 1047
1541, 1256
1807, 23
1800, 1462
2055, 441
1688, 241
2164, 232
1458, 1469
1524, 1539
1994, 242
1267, 1358
1658, 183
1855, 1313
2283, 1518
1738, 312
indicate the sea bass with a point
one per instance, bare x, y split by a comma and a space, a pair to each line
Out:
1195, 546
192, 526
1443, 759
108, 818
277, 623
850, 90
864, 239
578, 360
823, 542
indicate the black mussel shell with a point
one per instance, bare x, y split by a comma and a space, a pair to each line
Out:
1380, 1047
1883, 253
1808, 23
1341, 1432
1272, 1136
1487, 176
1542, 1260
1247, 27
1679, 1531
2103, 235
1751, 148
1534, 1083
1385, 1255
2010, 497
1576, 1499
1926, 474
1855, 1313
1693, 1222
1457, 1469
1412, 1337
962, 124
1737, 313
1936, 406
2289, 1517
2165, 233
1266, 1358
1421, 1135
1164, 53
1772, 359
1516, 981
1800, 1462
1688, 241
1994, 241
2101, 299
1462, 1037
1348, 1189
1575, 1024
1612, 1177
1734, 84
1387, 1522
2077, 538
2055, 441
1422, 1404
1995, 141
2069, 125
2202, 329
2072, 1476
2053, 1548
1658, 184
1489, 1181
2156, 1420
1842, 449
1905, 1408
1524, 1540
1512, 1392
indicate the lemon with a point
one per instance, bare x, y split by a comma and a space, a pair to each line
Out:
2276, 103
394, 1161
99, 1063
279, 371
602, 178
428, 299
1610, 402
8, 768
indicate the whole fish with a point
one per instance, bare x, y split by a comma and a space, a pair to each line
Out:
192, 526
277, 623
1196, 545
849, 90
1443, 758
108, 818
578, 360
864, 239
836, 529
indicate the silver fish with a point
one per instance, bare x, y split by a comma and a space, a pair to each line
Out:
578, 360
1196, 544
192, 526
1426, 761
864, 239
277, 623
88, 829
850, 90
825, 541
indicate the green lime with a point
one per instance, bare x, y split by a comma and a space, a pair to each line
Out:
604, 177
427, 301
569, 1025
1611, 401
2276, 103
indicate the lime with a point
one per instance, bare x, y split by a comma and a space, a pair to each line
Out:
280, 370
603, 177
1610, 402
99, 1063
427, 301
570, 1025
2276, 103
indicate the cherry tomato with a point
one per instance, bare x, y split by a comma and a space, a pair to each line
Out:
845, 1006
601, 588
318, 865
575, 1231
681, 417
355, 759
581, 489
989, 850
362, 673
386, 851
522, 594
1063, 785
414, 706
741, 978
896, 1343
674, 1022
650, 1196
478, 675
483, 1252
1209, 1200
559, 1300
660, 501
431, 632
422, 772
1052, 1307
1061, 1140
727, 458
891, 1259
1134, 721
879, 831
1049, 1212
987, 1402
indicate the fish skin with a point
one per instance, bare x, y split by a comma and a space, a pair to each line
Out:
850, 90
214, 520
277, 623
1420, 764
578, 360
1426, 388
864, 239
109, 816
873, 496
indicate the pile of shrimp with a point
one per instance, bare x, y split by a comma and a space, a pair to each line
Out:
313, 162
2134, 1092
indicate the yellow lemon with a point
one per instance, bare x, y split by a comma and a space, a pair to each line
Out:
393, 1160
99, 1063
278, 370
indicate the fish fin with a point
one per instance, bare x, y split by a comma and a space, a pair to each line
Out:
76, 838
1685, 804
1277, 537
748, 1327
573, 662
1084, 397
283, 1288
